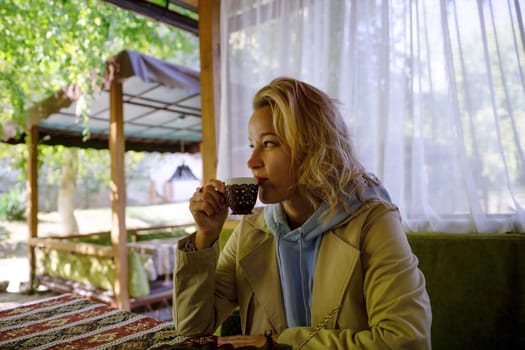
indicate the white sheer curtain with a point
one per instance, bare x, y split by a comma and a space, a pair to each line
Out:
433, 92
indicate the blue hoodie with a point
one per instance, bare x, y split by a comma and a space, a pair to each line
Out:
297, 250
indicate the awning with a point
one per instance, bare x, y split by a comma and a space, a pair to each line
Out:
161, 107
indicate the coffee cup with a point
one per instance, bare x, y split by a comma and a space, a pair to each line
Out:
241, 194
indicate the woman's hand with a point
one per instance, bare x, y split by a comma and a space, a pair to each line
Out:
209, 210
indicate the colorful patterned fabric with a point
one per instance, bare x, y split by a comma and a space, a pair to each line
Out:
69, 322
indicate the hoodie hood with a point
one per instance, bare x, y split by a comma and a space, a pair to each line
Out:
315, 226
297, 249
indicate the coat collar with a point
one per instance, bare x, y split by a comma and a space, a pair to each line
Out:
339, 253
335, 265
336, 255
259, 266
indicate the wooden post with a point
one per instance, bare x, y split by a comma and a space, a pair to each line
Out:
32, 199
209, 38
118, 196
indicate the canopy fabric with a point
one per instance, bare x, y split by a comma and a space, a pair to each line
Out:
129, 63
161, 104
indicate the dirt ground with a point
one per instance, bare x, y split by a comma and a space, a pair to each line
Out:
14, 266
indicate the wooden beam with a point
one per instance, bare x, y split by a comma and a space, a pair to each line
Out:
87, 249
209, 38
69, 138
32, 198
118, 196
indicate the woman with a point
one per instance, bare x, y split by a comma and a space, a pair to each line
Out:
325, 264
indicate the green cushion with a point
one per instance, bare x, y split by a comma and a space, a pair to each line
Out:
92, 271
476, 284
138, 280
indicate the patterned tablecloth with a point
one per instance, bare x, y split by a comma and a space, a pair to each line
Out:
69, 322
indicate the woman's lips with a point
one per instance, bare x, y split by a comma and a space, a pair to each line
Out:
261, 181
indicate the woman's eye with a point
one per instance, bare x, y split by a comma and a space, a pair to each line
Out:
269, 143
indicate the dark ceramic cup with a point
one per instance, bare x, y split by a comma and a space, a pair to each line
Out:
241, 194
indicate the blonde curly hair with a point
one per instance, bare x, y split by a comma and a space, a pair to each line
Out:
308, 121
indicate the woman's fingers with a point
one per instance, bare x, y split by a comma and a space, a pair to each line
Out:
217, 184
208, 207
208, 200
214, 196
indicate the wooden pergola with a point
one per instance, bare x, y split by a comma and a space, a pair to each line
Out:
207, 28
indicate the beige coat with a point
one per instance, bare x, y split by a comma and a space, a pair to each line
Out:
366, 276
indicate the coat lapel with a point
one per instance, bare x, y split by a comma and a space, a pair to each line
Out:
338, 258
259, 266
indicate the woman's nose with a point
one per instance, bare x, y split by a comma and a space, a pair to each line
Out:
255, 160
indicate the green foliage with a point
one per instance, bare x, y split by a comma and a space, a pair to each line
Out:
4, 234
133, 160
93, 170
13, 204
48, 44
13, 160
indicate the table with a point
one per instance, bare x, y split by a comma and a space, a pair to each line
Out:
70, 322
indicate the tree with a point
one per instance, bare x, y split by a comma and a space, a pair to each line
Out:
48, 44
66, 194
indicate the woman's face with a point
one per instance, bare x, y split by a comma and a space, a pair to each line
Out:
270, 160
